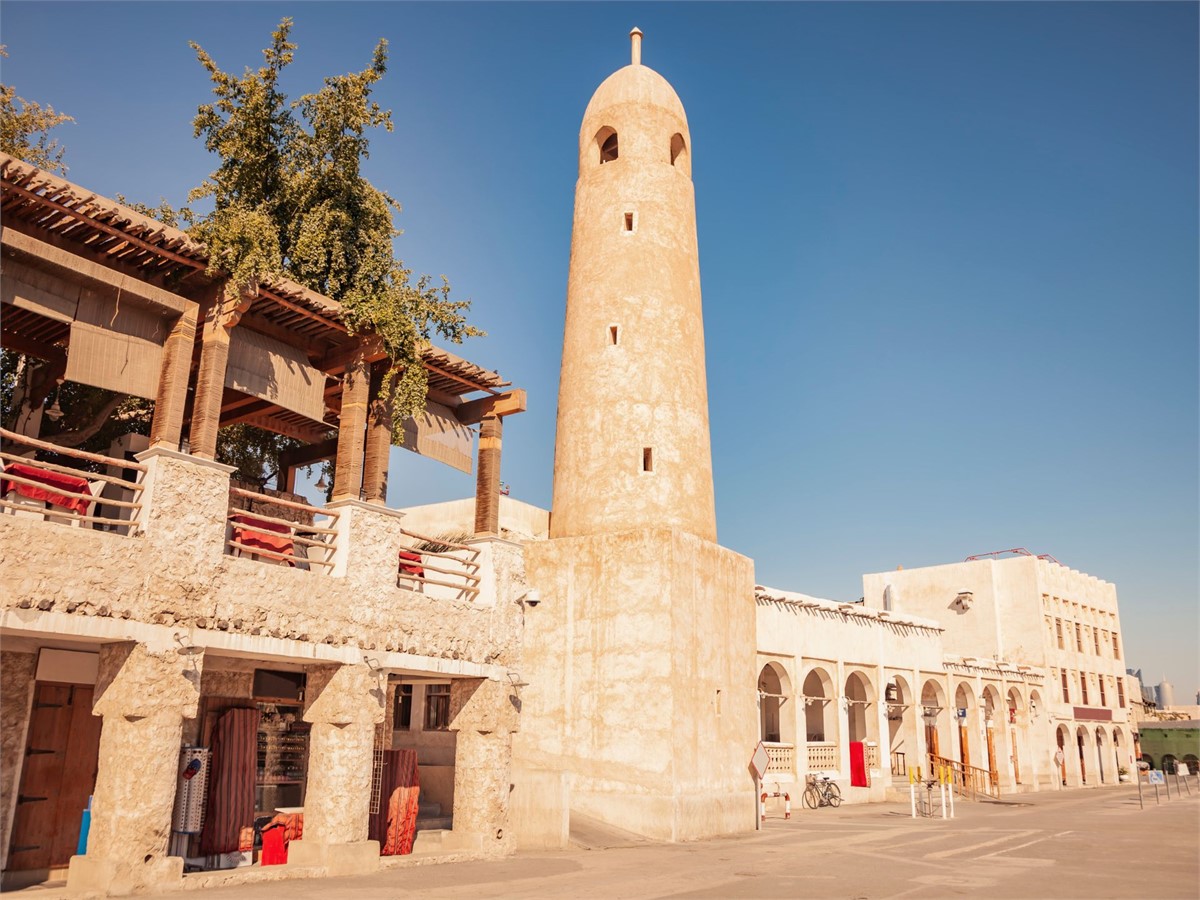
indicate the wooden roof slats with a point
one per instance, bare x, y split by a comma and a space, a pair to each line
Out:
123, 236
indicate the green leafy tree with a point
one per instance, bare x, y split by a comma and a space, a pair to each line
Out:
290, 198
25, 127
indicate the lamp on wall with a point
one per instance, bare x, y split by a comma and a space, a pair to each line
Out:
964, 600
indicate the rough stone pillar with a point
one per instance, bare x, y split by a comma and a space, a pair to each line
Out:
379, 440
167, 425
487, 485
344, 704
16, 700
144, 695
485, 715
184, 506
348, 470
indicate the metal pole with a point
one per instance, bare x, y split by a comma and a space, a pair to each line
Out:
1138, 776
1167, 784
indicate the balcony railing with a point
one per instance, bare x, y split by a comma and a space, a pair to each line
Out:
455, 567
822, 756
274, 539
780, 758
58, 493
872, 756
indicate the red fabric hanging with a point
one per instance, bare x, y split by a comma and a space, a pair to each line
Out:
858, 764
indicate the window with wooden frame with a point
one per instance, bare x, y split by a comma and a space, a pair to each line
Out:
402, 708
1058, 630
1103, 698
1096, 639
1078, 638
1121, 691
437, 707
1116, 647
1083, 688
1066, 688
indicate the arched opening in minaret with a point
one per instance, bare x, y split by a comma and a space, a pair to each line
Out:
679, 154
606, 140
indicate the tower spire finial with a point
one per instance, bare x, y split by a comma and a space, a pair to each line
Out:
635, 39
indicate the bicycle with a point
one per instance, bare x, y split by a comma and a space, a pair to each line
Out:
822, 792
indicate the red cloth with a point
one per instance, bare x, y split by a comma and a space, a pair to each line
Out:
263, 535
277, 834
858, 764
60, 480
411, 557
274, 848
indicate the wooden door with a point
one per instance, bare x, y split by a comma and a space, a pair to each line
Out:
61, 756
1012, 733
1082, 764
993, 773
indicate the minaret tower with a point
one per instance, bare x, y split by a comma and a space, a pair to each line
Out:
640, 657
632, 448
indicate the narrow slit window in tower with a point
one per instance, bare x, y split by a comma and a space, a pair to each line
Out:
629, 221
647, 459
614, 334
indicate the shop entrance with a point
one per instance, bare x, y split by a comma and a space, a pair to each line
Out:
62, 752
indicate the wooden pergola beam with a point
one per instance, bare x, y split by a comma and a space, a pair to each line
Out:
14, 340
507, 404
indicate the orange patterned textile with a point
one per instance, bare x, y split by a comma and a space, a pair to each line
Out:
395, 825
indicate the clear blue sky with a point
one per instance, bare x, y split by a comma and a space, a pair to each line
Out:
949, 251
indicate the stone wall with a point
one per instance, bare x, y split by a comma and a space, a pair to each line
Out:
177, 575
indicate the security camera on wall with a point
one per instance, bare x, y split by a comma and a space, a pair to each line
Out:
533, 598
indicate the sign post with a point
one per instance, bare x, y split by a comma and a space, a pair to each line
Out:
759, 762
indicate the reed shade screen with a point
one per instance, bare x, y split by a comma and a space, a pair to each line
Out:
436, 433
271, 370
116, 344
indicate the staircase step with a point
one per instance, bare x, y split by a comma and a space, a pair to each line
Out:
429, 809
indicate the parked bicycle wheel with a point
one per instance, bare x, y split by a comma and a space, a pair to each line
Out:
812, 797
834, 796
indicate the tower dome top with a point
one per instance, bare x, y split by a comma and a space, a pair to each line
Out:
636, 83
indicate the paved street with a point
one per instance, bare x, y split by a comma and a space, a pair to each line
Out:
1090, 843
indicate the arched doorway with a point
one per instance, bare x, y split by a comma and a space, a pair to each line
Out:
902, 731
774, 690
1018, 725
1168, 763
965, 714
1082, 739
862, 728
1062, 754
1103, 775
1192, 763
935, 719
991, 712
820, 724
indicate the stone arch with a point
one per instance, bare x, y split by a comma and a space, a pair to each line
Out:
820, 726
935, 718
680, 158
1193, 762
1104, 771
860, 702
1083, 748
1168, 763
774, 691
901, 713
607, 145
1016, 732
967, 716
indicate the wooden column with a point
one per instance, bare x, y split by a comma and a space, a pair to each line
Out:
379, 437
348, 470
487, 484
221, 314
167, 426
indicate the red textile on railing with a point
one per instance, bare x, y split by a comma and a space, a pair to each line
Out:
858, 765
263, 535
417, 570
60, 480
